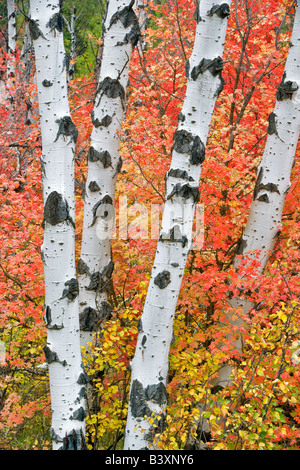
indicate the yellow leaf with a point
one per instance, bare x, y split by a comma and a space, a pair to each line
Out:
219, 447
282, 387
277, 415
282, 316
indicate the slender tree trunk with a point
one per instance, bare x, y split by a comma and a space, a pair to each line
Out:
141, 12
12, 32
26, 56
73, 43
72, 30
150, 364
95, 266
59, 134
141, 7
273, 179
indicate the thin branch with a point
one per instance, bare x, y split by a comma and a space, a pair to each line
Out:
143, 174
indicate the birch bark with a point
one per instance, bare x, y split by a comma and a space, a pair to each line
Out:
150, 364
59, 134
141, 9
273, 178
95, 267
72, 30
12, 31
73, 43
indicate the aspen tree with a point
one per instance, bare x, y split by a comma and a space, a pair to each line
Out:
11, 39
95, 267
141, 7
148, 396
59, 134
72, 30
273, 180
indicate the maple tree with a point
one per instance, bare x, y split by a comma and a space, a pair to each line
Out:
260, 409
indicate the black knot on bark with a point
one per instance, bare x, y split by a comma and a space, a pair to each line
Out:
74, 441
82, 267
66, 127
103, 156
52, 356
56, 22
46, 83
174, 235
56, 210
138, 405
94, 187
88, 319
106, 204
112, 88
79, 414
163, 279
286, 89
34, 30
215, 66
71, 290
188, 143
127, 16
185, 191
222, 11
105, 121
178, 173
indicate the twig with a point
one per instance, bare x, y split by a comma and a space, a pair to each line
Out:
19, 283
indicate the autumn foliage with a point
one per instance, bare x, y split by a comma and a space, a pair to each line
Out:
260, 410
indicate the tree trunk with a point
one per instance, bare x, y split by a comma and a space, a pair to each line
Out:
11, 33
95, 266
72, 30
273, 179
150, 364
73, 43
141, 11
27, 53
59, 134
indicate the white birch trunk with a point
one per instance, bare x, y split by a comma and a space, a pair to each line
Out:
95, 267
150, 364
11, 32
141, 7
62, 351
273, 178
27, 53
71, 28
73, 43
